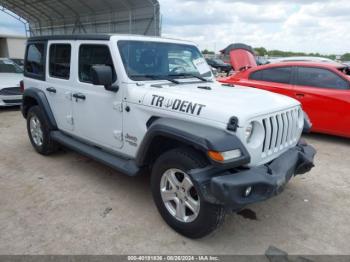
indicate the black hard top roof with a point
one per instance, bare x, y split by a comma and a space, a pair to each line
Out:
71, 37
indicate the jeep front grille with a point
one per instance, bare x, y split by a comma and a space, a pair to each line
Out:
281, 131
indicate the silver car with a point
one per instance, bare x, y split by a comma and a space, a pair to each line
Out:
10, 76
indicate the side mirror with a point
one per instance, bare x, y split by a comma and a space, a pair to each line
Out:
103, 75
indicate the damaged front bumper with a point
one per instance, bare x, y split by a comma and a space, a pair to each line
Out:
238, 188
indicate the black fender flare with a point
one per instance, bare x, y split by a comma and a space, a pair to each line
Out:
201, 137
39, 96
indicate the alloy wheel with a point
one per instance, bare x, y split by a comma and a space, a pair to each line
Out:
179, 195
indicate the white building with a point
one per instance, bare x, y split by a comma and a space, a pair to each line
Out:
12, 46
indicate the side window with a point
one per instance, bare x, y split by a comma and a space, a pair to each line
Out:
318, 77
277, 75
60, 57
35, 60
90, 55
257, 75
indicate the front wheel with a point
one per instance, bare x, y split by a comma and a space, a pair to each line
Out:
176, 197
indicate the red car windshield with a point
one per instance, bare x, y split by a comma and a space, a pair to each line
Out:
345, 70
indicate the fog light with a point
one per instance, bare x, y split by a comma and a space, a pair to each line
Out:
247, 191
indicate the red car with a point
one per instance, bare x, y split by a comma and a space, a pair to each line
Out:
322, 88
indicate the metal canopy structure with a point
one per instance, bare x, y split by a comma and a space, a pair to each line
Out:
53, 17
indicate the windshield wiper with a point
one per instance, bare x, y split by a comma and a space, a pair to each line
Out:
190, 75
155, 77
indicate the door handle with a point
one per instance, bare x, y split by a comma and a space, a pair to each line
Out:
51, 90
79, 96
299, 95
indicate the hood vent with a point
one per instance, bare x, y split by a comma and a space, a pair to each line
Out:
232, 124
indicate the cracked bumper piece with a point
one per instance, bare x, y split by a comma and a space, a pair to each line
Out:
236, 189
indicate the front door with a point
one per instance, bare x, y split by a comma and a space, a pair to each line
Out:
97, 112
276, 79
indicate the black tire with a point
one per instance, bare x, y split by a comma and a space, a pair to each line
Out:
48, 146
209, 217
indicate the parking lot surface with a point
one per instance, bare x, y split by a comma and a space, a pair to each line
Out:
68, 204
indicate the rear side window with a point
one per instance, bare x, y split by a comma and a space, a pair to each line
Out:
277, 75
35, 62
60, 57
318, 77
90, 55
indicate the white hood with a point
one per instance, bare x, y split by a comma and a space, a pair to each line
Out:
10, 80
219, 103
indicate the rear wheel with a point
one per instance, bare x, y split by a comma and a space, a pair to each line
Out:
176, 197
39, 132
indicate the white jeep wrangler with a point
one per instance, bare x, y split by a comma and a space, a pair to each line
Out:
151, 104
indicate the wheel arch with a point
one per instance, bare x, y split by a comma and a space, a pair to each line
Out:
165, 134
161, 143
36, 97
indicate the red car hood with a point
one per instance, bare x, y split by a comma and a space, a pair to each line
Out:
241, 56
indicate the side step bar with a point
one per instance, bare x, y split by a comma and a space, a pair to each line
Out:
122, 165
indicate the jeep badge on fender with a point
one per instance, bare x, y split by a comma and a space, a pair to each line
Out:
145, 105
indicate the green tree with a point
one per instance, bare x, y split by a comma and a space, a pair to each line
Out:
261, 51
207, 52
346, 57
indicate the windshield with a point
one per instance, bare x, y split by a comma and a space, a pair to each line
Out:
345, 70
155, 60
19, 62
7, 66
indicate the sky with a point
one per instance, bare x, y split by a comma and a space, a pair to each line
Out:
289, 25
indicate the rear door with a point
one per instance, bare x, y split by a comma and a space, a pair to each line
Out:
59, 83
277, 80
325, 96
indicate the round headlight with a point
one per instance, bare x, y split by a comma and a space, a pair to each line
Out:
249, 131
254, 134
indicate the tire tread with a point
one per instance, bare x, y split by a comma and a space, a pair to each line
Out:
216, 212
49, 146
